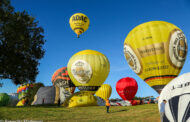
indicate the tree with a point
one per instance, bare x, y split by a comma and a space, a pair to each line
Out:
21, 45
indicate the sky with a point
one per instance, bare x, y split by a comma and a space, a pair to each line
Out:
110, 22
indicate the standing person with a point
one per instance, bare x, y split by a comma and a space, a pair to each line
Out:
107, 105
59, 102
162, 110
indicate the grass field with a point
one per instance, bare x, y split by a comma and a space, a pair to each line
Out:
140, 113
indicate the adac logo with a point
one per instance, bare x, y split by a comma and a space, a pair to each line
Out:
77, 17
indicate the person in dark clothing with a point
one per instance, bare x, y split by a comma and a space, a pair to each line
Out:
59, 102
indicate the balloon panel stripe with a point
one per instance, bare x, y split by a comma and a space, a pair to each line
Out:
88, 88
159, 77
79, 28
187, 113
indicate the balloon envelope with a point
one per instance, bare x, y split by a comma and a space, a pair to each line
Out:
82, 98
156, 51
127, 88
104, 91
88, 69
177, 95
79, 23
61, 79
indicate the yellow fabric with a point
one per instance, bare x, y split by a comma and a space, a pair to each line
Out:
104, 91
86, 52
150, 43
99, 64
57, 96
35, 98
82, 98
79, 23
21, 102
70, 89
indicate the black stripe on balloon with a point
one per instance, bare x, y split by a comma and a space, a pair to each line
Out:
165, 119
88, 88
160, 76
158, 86
186, 115
174, 107
79, 28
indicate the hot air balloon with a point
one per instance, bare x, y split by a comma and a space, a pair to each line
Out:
62, 80
156, 51
104, 91
88, 69
79, 23
127, 88
45, 95
82, 98
177, 95
22, 92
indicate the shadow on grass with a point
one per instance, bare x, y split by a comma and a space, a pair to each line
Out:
118, 111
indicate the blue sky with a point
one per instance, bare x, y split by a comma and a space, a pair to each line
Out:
110, 22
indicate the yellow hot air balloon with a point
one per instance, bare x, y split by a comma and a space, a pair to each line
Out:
79, 23
104, 91
82, 98
88, 69
156, 51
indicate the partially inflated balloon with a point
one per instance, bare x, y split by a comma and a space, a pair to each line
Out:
61, 79
177, 95
88, 69
127, 88
82, 98
79, 23
104, 91
156, 51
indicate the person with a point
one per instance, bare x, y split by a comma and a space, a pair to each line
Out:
107, 105
59, 102
162, 110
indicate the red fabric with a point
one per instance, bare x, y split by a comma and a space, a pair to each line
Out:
118, 104
127, 88
61, 70
133, 102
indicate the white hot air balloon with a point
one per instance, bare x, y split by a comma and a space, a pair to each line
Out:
177, 95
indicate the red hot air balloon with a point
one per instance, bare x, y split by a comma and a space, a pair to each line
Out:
127, 88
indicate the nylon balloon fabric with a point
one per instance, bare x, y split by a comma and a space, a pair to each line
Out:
177, 95
156, 52
127, 88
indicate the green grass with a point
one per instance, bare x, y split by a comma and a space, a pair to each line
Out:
140, 113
